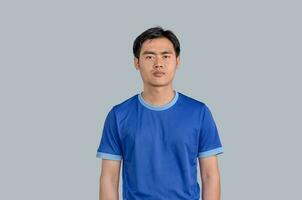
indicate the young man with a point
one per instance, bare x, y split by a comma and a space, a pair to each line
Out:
159, 133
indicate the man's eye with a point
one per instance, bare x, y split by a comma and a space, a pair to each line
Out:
148, 57
166, 56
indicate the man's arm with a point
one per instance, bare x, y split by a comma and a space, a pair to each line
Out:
210, 178
109, 180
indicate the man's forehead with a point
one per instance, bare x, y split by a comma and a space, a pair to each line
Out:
157, 43
157, 46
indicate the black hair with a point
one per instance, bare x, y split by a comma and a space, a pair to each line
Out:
155, 32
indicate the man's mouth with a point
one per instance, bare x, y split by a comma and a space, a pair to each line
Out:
158, 74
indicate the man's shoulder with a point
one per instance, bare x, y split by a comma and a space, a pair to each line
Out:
191, 101
126, 104
129, 104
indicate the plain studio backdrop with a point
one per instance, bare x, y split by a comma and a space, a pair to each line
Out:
64, 64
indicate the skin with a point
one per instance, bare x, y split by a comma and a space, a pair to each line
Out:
159, 55
210, 177
109, 180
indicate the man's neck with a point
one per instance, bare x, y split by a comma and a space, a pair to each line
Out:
158, 96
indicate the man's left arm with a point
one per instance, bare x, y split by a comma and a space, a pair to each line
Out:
210, 177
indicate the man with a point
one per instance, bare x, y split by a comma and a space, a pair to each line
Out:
159, 133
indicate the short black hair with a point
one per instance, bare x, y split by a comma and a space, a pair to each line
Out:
155, 32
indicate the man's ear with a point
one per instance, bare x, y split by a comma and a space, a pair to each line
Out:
178, 62
136, 63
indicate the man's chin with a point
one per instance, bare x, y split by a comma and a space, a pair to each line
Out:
158, 84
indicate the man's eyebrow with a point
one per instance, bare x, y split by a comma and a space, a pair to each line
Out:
152, 52
167, 52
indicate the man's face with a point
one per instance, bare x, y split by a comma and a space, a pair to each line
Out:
157, 62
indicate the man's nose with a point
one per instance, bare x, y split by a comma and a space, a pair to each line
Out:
158, 63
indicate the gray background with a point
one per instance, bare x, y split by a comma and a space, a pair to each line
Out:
64, 64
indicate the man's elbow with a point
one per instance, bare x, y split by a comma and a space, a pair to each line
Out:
108, 188
210, 177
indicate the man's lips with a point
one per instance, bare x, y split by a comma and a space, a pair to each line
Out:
158, 74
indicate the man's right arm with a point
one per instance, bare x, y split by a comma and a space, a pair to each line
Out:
109, 180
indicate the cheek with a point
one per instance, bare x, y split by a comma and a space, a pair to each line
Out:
146, 73
172, 73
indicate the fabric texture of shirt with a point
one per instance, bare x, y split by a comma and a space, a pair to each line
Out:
159, 146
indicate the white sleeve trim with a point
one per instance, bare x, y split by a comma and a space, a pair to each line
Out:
211, 152
108, 156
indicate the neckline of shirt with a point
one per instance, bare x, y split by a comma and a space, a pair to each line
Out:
155, 107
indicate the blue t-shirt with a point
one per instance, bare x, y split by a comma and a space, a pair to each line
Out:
159, 146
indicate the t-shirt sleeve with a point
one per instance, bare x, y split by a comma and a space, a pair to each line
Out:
110, 144
209, 141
